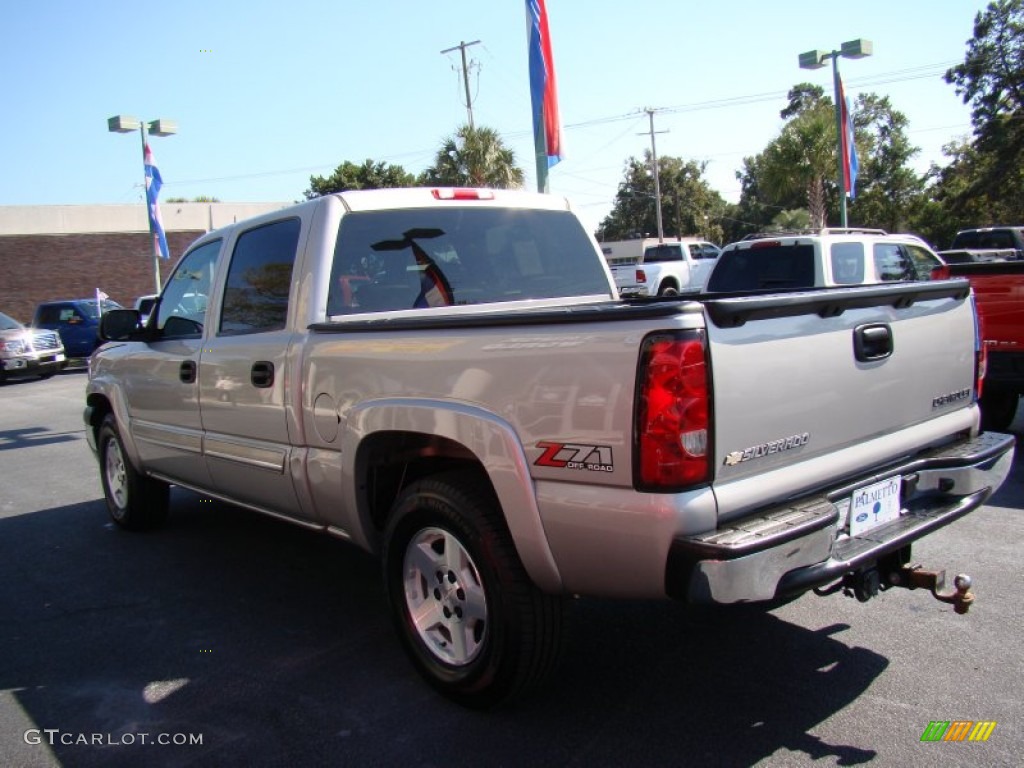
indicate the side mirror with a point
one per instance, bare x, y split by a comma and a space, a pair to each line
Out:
120, 325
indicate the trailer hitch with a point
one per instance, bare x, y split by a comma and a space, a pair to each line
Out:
866, 583
916, 577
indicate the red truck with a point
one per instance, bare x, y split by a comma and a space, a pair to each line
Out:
998, 281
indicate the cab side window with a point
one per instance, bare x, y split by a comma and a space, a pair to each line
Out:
892, 263
260, 278
182, 308
923, 261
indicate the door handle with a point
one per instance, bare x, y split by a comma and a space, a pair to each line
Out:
262, 374
187, 372
872, 342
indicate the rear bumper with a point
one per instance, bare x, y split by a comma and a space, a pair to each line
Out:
791, 548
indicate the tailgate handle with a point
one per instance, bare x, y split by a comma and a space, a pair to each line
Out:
187, 372
872, 342
262, 374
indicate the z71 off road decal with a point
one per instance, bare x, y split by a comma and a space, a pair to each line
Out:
595, 458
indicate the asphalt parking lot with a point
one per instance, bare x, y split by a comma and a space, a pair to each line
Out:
273, 646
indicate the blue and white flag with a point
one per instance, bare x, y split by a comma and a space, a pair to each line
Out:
156, 224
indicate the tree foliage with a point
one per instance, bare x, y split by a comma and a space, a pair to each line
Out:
689, 206
369, 175
474, 157
991, 81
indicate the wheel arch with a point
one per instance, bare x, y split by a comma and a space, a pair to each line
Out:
100, 403
389, 444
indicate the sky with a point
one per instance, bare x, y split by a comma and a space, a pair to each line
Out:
267, 94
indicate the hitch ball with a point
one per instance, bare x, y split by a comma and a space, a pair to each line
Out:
915, 577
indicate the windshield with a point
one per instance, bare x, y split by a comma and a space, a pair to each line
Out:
419, 258
8, 323
91, 309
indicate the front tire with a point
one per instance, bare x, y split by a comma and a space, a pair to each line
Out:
135, 502
469, 617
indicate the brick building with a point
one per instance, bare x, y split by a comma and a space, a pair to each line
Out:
68, 251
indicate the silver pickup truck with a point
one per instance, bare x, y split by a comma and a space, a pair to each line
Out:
447, 378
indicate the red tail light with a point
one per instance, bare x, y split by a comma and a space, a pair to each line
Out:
672, 413
641, 276
980, 352
462, 193
941, 272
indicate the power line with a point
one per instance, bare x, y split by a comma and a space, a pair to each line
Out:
884, 78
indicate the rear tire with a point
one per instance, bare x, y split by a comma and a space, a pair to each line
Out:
135, 502
468, 616
667, 289
998, 409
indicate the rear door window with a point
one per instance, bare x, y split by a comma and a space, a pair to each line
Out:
260, 278
847, 263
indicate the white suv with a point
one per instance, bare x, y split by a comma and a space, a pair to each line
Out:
822, 258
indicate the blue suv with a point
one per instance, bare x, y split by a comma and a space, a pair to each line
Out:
76, 320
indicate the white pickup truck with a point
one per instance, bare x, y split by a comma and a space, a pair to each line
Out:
649, 267
447, 378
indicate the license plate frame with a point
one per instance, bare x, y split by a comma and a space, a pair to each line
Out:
874, 505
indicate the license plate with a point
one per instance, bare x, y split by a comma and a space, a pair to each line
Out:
58, 358
875, 505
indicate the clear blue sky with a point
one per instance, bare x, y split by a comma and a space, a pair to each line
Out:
266, 94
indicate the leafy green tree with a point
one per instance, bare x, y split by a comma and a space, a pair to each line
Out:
369, 175
888, 190
474, 157
689, 206
196, 199
795, 219
991, 81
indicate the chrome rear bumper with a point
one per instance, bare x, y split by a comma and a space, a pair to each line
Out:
794, 547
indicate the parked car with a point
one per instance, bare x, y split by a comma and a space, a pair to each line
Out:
823, 258
648, 267
76, 320
488, 417
144, 304
990, 239
27, 351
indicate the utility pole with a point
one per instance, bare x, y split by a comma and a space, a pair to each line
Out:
657, 183
462, 46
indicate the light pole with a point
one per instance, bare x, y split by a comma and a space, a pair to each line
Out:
162, 127
854, 49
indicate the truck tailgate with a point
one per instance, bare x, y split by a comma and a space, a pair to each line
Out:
805, 375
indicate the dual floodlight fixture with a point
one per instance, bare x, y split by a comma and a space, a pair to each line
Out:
127, 124
853, 49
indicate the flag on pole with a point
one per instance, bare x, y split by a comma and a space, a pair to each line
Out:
153, 184
547, 130
100, 298
849, 159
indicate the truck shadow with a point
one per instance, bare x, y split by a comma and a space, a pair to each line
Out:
275, 646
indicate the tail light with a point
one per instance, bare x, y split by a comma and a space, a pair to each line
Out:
641, 276
941, 272
462, 193
672, 413
980, 351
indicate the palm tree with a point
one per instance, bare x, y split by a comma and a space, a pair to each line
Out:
475, 157
801, 158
